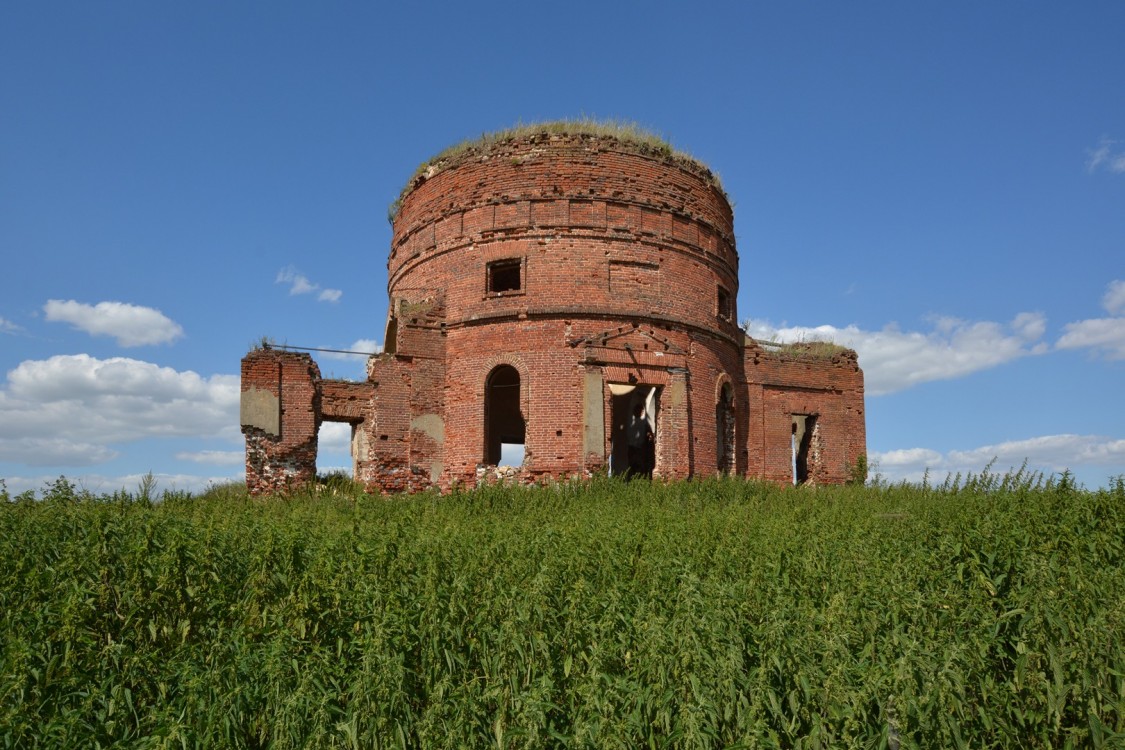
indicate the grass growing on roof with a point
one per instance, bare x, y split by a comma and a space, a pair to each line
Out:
805, 349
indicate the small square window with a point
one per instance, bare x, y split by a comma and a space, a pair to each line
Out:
726, 307
505, 276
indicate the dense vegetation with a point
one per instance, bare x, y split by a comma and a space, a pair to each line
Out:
985, 613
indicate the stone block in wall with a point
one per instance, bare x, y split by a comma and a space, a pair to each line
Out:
260, 408
684, 229
552, 213
513, 215
479, 219
590, 214
448, 229
654, 221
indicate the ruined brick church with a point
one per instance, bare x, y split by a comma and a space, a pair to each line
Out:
548, 288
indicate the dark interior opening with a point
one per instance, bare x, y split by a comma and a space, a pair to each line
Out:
724, 429
504, 276
640, 460
726, 309
804, 425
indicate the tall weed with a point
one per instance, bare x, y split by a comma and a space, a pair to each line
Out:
985, 612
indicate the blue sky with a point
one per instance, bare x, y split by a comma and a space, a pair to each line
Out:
940, 186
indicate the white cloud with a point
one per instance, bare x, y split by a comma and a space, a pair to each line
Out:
359, 350
216, 458
1114, 299
1030, 326
131, 325
54, 452
1096, 156
1106, 155
1105, 334
334, 437
908, 458
1050, 454
7, 326
96, 403
1056, 452
367, 345
299, 284
894, 360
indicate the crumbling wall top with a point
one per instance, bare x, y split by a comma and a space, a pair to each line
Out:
800, 351
593, 134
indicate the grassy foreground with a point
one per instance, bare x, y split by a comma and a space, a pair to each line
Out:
599, 615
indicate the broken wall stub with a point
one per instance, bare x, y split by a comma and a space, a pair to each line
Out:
281, 452
284, 401
583, 262
788, 383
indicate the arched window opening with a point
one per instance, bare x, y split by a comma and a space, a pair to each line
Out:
504, 426
724, 429
390, 337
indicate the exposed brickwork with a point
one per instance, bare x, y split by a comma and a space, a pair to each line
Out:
627, 275
780, 385
277, 461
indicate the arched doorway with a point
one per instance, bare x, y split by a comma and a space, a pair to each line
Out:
504, 426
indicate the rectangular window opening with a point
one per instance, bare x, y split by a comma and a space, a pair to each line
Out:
804, 447
505, 276
337, 455
726, 308
634, 412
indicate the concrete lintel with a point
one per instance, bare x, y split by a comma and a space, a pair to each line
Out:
593, 414
430, 425
262, 409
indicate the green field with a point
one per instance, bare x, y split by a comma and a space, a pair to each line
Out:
986, 613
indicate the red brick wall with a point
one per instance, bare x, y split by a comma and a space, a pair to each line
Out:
581, 214
780, 385
622, 253
345, 401
275, 462
607, 236
386, 466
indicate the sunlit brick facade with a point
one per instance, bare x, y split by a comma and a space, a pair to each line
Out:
542, 288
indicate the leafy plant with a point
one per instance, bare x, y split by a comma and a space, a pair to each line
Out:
717, 613
263, 342
857, 472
